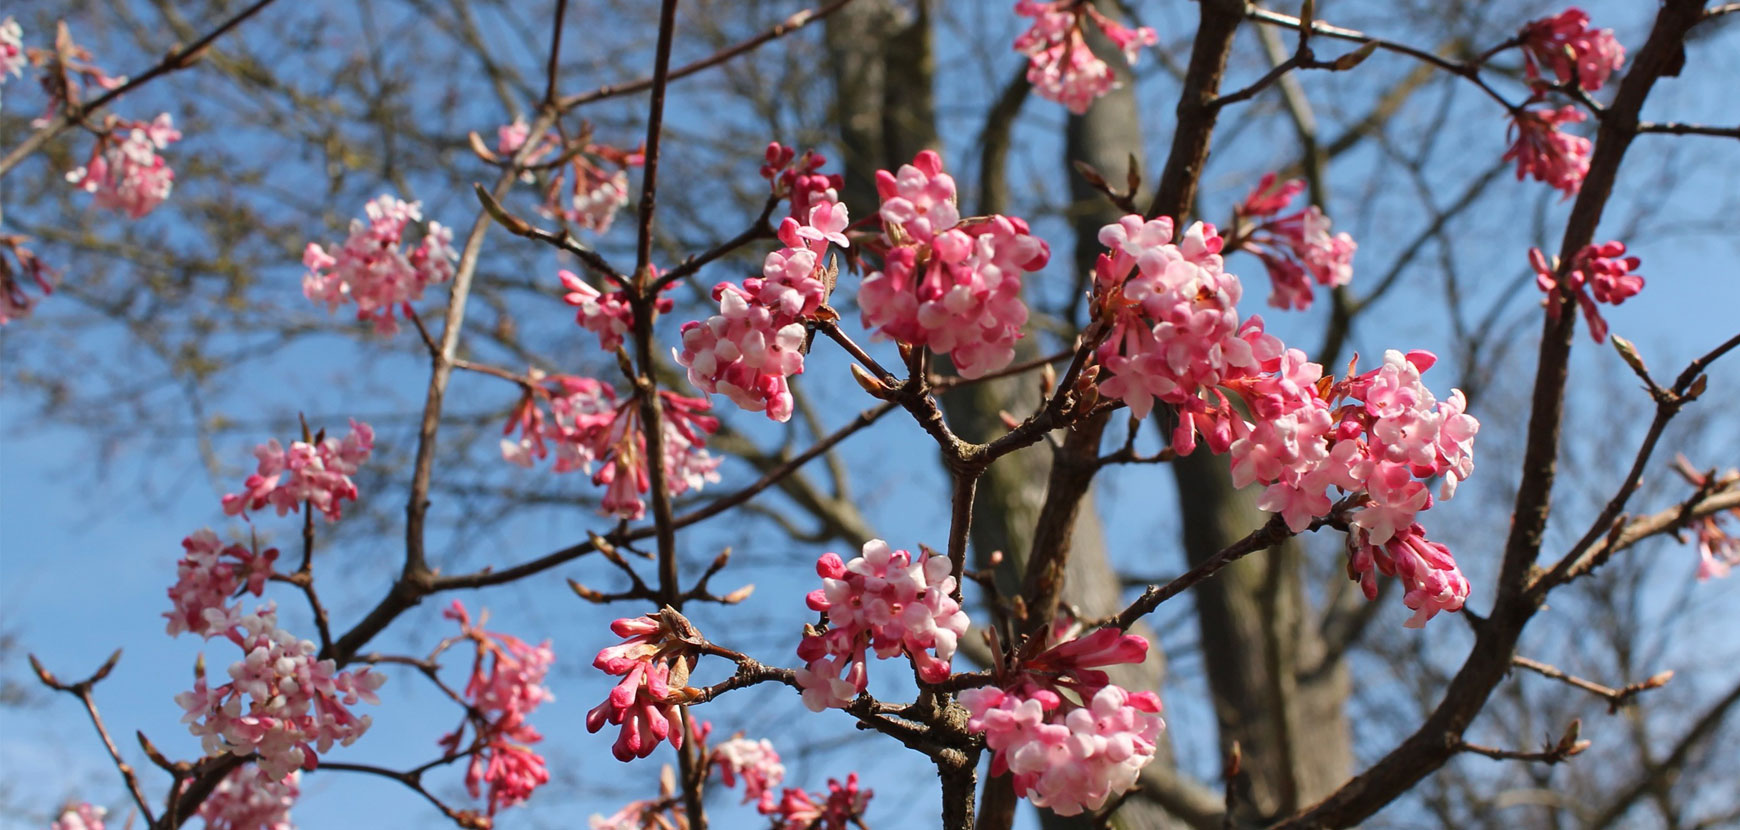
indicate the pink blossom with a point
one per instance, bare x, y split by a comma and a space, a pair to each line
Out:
506, 684
371, 270
834, 810
83, 816
281, 704
1597, 274
247, 799
1063, 756
606, 314
1426, 569
796, 178
653, 661
207, 577
950, 285
1547, 153
12, 57
125, 174
883, 600
744, 353
753, 762
1570, 49
792, 283
315, 473
1718, 549
596, 192
1296, 249
1060, 65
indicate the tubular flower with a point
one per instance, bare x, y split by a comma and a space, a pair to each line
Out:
372, 270
883, 600
1426, 569
281, 704
796, 179
1572, 51
125, 174
504, 693
316, 473
1547, 153
606, 314
84, 816
587, 426
1060, 65
15, 303
206, 580
755, 764
653, 660
834, 810
1062, 754
1296, 249
247, 799
949, 284
1598, 274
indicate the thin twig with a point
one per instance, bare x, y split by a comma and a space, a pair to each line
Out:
82, 691
1615, 697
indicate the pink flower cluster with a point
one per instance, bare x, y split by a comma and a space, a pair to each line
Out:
125, 173
1718, 549
755, 764
370, 269
15, 303
1296, 249
1597, 274
883, 600
587, 425
248, 799
1572, 51
282, 705
950, 285
836, 809
748, 350
503, 694
1060, 65
606, 314
12, 57
1547, 153
1175, 332
1070, 752
798, 179
207, 577
85, 816
317, 473
653, 665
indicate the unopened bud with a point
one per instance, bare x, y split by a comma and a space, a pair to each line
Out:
1088, 172
586, 593
1355, 58
1047, 379
996, 558
482, 150
514, 224
1657, 681
1698, 387
868, 382
738, 595
1009, 421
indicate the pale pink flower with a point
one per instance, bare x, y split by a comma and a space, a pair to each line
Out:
83, 816
207, 577
1060, 65
125, 174
950, 285
1064, 756
596, 191
755, 764
606, 314
744, 353
248, 799
12, 57
884, 600
371, 269
1567, 46
1547, 153
1296, 249
791, 284
319, 474
281, 705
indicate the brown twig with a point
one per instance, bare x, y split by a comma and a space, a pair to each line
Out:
82, 690
1567, 746
1615, 698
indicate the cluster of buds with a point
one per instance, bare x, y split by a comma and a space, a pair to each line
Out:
317, 472
83, 816
1297, 249
506, 684
747, 351
607, 314
1068, 737
372, 269
1060, 64
884, 600
207, 576
654, 660
948, 284
586, 424
1542, 150
1597, 274
15, 302
1570, 50
837, 809
249, 799
282, 705
798, 180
